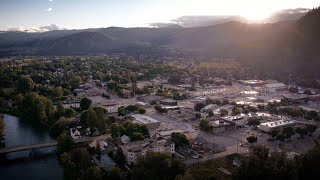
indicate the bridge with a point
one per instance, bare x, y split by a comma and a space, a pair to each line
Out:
27, 147
50, 144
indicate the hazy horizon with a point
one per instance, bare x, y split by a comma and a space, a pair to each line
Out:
71, 14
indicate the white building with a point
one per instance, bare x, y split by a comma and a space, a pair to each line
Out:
133, 150
269, 126
75, 134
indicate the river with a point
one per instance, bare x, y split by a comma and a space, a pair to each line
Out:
20, 166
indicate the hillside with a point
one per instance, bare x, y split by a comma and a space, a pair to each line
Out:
276, 48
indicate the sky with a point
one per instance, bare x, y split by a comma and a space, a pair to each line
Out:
79, 14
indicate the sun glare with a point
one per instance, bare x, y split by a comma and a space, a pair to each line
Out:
256, 16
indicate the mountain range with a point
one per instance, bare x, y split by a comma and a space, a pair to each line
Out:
289, 45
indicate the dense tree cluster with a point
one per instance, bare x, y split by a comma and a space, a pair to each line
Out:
205, 125
134, 131
157, 166
179, 139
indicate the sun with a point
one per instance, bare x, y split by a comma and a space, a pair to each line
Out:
256, 16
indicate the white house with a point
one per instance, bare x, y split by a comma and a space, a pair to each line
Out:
75, 134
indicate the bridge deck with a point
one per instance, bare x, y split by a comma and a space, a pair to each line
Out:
51, 144
27, 147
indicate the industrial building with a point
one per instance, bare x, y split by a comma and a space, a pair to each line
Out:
146, 120
269, 126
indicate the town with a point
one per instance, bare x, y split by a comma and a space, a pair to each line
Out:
115, 110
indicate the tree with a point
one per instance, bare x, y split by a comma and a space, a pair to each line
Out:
65, 142
281, 136
199, 106
179, 139
58, 127
205, 125
141, 111
81, 157
115, 174
88, 119
136, 136
157, 166
119, 157
69, 113
309, 163
301, 131
36, 108
252, 139
92, 173
223, 112
2, 126
274, 133
210, 113
264, 165
60, 110
25, 84
197, 116
85, 103
253, 122
121, 111
235, 111
293, 90
288, 132
117, 130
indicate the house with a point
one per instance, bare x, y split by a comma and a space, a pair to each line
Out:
75, 134
133, 150
125, 139
104, 162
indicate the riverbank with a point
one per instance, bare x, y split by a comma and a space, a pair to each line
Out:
40, 164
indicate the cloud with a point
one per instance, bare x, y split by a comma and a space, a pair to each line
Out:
161, 25
49, 9
51, 27
288, 14
197, 21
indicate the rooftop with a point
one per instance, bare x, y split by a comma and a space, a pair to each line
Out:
278, 123
144, 119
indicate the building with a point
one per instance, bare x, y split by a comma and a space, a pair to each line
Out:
146, 120
269, 126
75, 134
104, 162
169, 102
133, 150
274, 87
227, 107
209, 107
240, 119
220, 126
